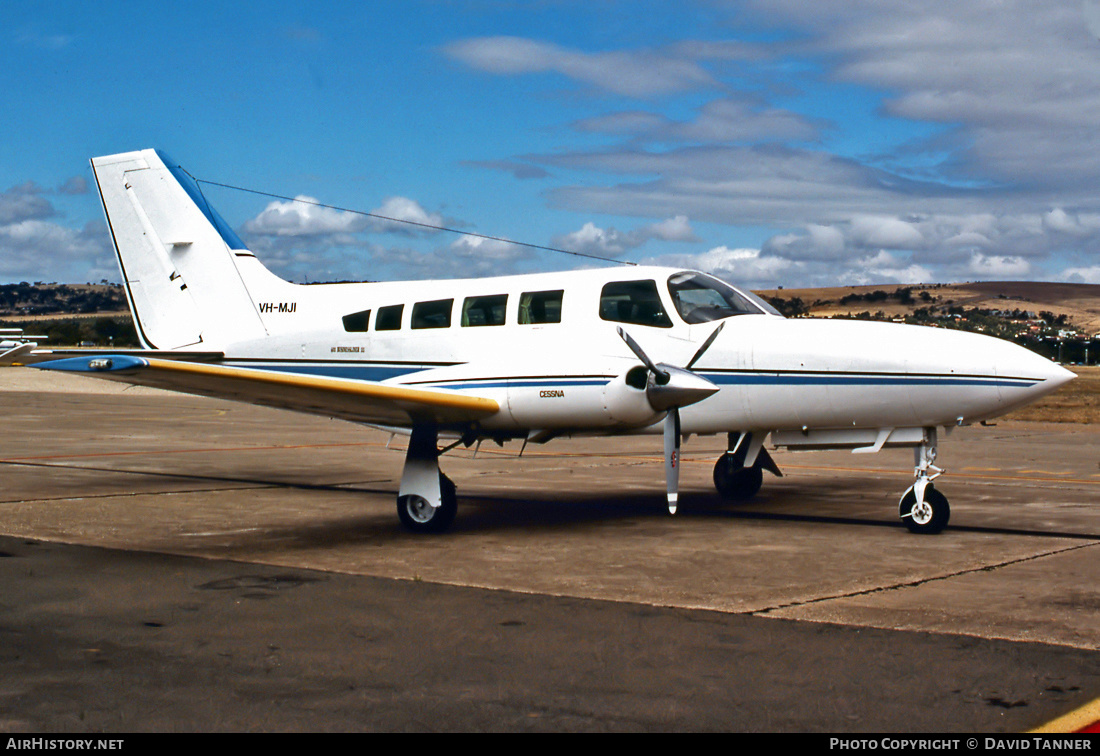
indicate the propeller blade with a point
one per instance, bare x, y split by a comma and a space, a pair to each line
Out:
706, 344
667, 389
672, 458
659, 373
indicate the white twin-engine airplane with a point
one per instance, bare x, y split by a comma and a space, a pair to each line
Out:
626, 350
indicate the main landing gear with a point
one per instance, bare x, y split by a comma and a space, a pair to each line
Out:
738, 474
923, 509
427, 500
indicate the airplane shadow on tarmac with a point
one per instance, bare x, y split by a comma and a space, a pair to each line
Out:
480, 513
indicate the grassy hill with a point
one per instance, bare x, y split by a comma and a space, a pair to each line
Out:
1058, 320
1037, 314
69, 314
1077, 304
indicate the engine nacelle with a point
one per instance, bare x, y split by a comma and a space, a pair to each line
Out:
625, 400
619, 403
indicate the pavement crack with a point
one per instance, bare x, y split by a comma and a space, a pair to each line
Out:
916, 583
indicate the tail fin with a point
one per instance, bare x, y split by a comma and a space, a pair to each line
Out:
188, 275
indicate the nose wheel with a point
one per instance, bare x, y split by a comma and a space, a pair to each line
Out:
927, 516
923, 509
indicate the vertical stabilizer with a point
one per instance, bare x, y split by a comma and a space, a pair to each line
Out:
178, 256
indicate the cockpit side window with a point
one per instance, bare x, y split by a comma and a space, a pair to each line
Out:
635, 302
356, 322
388, 318
700, 299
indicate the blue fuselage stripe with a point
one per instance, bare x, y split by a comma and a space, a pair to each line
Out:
832, 379
521, 383
351, 371
380, 372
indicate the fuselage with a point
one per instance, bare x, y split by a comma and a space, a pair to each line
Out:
546, 347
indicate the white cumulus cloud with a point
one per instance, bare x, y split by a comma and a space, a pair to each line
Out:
303, 217
590, 239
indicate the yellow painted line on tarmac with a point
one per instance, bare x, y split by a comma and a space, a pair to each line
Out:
988, 473
161, 452
1084, 719
1028, 476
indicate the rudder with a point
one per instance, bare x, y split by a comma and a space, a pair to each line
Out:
177, 255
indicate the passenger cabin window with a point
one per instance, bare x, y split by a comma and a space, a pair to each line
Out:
389, 318
434, 314
484, 311
634, 302
540, 307
700, 298
357, 321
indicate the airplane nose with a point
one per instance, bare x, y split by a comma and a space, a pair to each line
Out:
1055, 376
1026, 376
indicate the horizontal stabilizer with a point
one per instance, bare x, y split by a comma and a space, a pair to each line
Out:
359, 401
16, 353
35, 356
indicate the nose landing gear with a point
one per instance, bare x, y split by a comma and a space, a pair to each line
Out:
923, 509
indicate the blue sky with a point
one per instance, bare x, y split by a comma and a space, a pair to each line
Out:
772, 143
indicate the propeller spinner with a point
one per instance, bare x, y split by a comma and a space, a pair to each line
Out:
668, 388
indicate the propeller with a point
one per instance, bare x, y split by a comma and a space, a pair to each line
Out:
668, 388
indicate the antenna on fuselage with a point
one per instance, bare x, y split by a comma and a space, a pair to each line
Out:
419, 224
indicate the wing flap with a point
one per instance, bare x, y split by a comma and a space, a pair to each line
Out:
359, 401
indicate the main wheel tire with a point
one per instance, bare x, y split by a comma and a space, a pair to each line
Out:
418, 516
929, 518
735, 482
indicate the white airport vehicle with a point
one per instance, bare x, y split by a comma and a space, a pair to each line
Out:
529, 358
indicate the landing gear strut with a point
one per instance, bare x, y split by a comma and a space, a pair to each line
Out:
738, 474
427, 500
923, 509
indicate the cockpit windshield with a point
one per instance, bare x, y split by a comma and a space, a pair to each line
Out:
700, 298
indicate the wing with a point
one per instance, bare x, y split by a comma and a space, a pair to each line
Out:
359, 401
